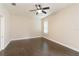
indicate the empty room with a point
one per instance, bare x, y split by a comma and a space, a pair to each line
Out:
39, 29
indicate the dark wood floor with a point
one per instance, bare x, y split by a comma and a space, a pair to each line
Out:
37, 47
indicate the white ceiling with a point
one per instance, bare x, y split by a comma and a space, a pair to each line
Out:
23, 8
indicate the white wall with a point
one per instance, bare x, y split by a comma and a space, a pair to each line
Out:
5, 14
64, 27
24, 27
19, 26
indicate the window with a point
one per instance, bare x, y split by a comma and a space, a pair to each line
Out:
46, 26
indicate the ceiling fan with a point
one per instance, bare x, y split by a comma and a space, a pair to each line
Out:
39, 9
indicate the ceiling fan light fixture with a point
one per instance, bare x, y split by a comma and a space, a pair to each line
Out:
38, 7
39, 11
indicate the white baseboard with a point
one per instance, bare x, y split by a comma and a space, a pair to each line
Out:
5, 46
51, 39
16, 39
25, 38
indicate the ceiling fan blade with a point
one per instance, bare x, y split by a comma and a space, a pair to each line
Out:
46, 8
36, 6
32, 10
39, 6
44, 12
36, 13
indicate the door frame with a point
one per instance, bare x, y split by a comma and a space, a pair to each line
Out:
2, 31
